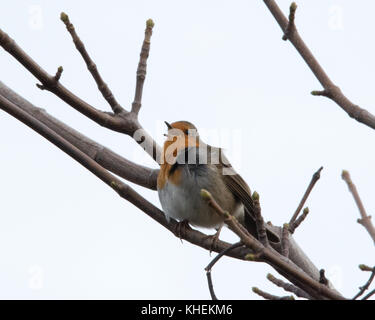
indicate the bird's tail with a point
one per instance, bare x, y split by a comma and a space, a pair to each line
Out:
250, 225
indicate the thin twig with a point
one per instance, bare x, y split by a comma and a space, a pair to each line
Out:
323, 93
365, 287
365, 267
365, 220
222, 253
291, 26
56, 78
288, 287
369, 295
142, 65
58, 73
261, 229
91, 66
211, 285
299, 220
314, 179
212, 263
269, 296
330, 89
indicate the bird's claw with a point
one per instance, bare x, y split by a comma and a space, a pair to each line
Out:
181, 228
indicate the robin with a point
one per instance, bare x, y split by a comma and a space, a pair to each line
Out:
189, 165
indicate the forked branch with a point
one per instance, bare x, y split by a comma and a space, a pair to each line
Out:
267, 254
331, 90
293, 223
121, 121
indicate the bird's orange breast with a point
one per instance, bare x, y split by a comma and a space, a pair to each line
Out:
170, 151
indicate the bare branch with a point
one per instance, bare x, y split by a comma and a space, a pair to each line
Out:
288, 287
50, 84
314, 179
268, 254
211, 285
133, 172
141, 70
269, 296
91, 66
365, 220
299, 220
330, 89
324, 93
212, 263
124, 190
365, 287
125, 122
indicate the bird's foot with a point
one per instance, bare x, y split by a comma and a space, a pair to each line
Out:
181, 228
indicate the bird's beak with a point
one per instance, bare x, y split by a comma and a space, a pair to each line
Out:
168, 125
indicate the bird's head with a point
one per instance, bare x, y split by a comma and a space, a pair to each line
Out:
181, 128
181, 134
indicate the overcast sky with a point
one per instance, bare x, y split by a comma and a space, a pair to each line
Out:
223, 66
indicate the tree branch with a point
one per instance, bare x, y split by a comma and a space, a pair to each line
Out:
143, 176
91, 66
365, 287
299, 220
213, 262
124, 122
365, 220
330, 89
141, 70
269, 255
288, 287
314, 179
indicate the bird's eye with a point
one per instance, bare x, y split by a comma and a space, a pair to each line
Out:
186, 131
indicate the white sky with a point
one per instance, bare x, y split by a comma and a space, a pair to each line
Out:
223, 66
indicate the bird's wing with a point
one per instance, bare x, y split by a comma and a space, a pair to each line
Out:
240, 189
234, 181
